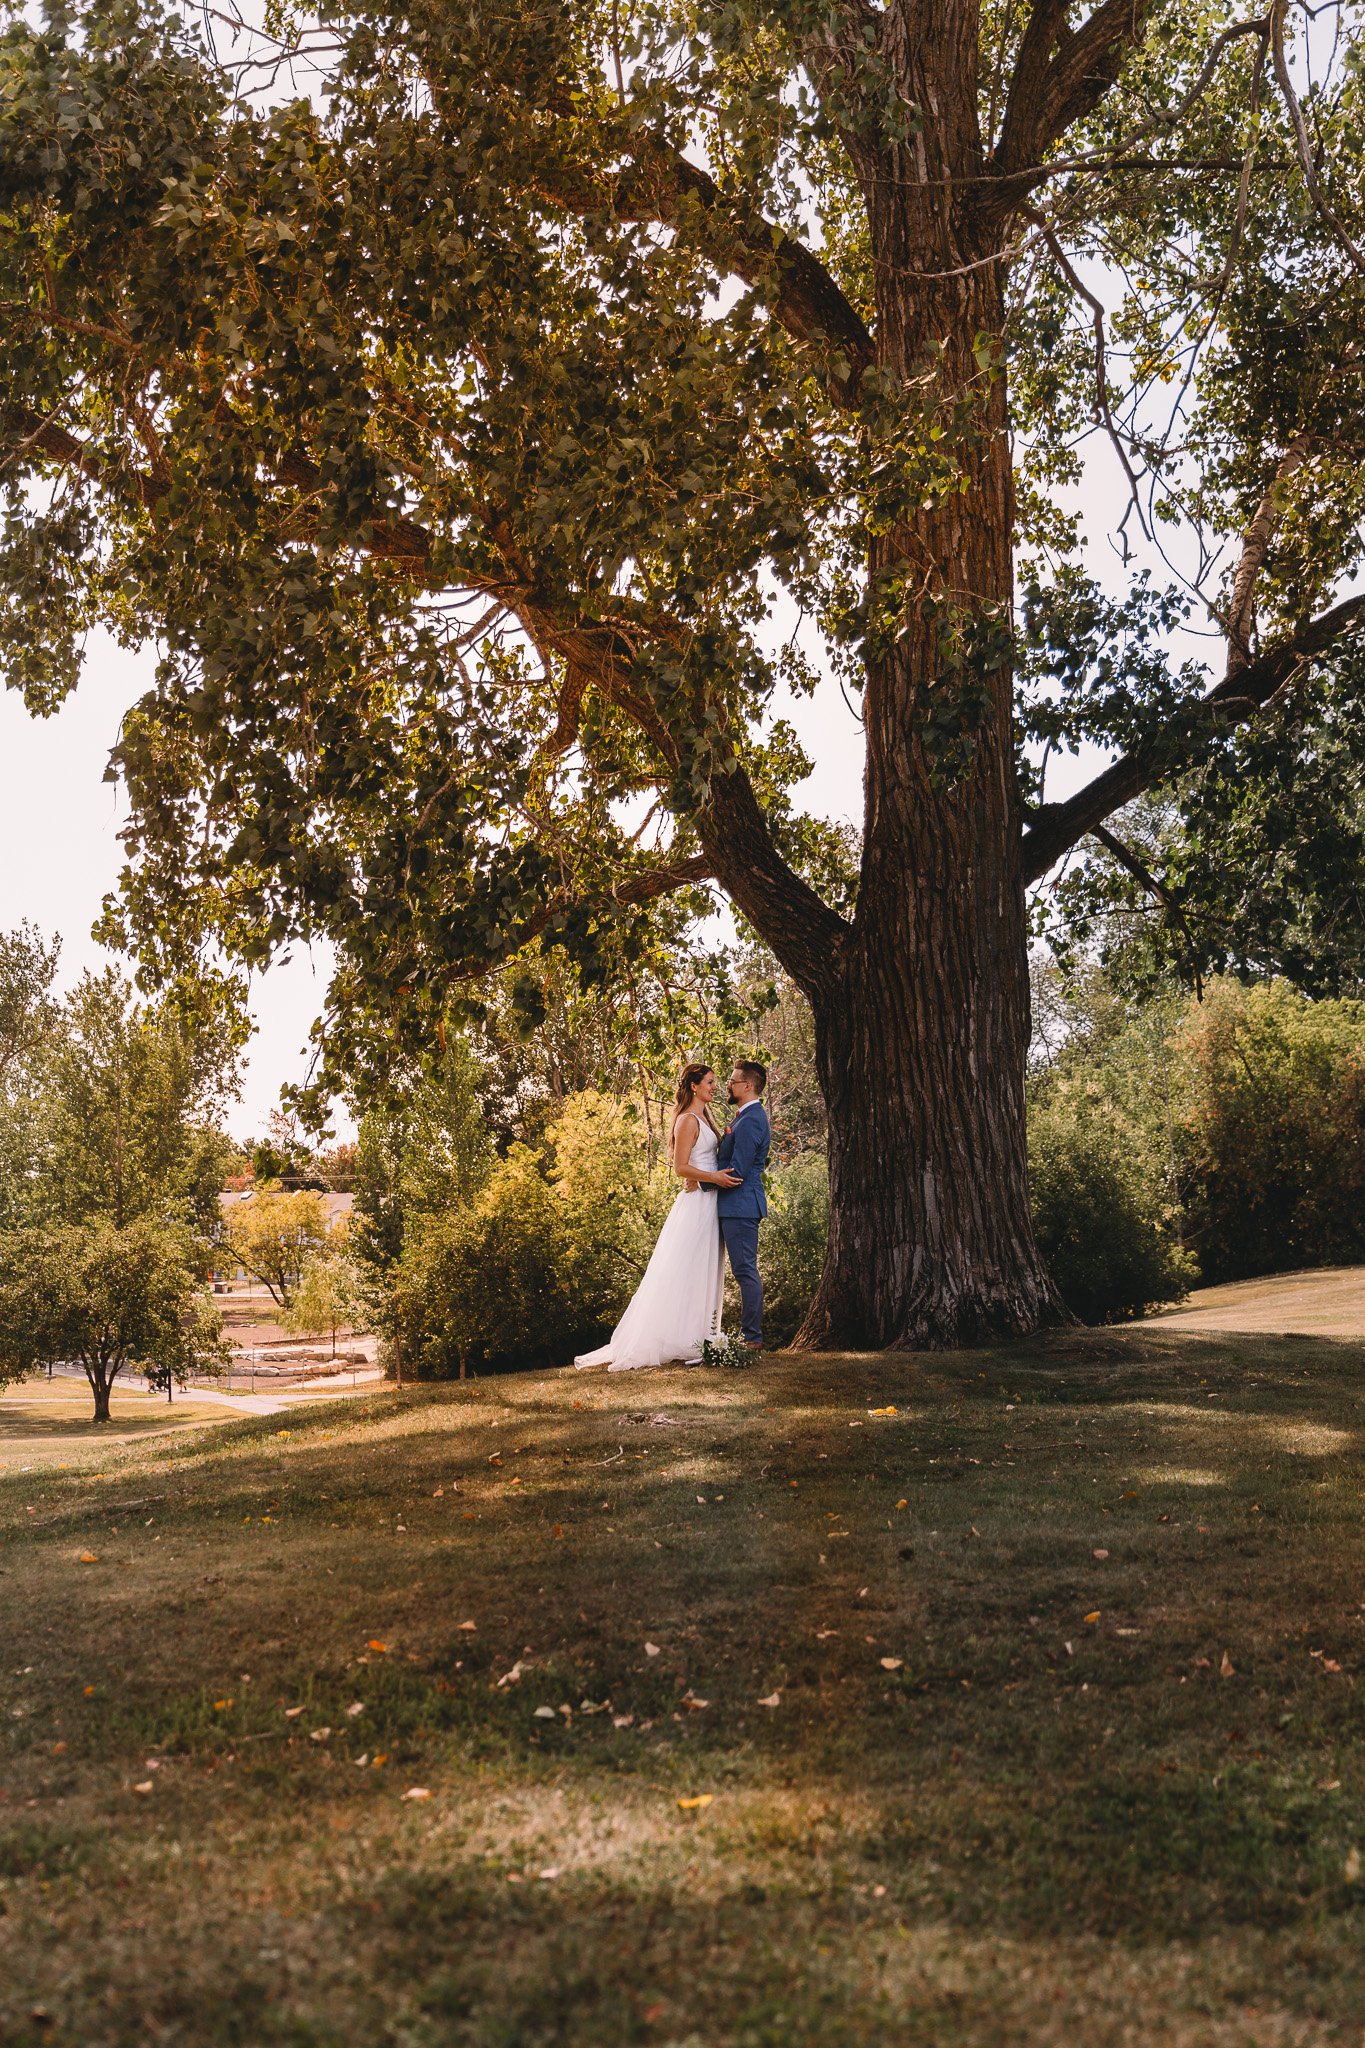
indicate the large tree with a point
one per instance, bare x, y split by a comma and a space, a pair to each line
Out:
456, 427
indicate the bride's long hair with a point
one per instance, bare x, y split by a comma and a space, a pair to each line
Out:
694, 1072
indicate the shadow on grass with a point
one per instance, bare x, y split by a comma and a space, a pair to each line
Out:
995, 1619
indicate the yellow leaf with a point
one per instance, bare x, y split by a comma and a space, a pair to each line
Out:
89, 1691
1093, 1615
901, 1504
89, 1557
221, 1706
692, 1805
374, 1644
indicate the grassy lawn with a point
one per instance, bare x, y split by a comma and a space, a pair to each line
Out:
1065, 1743
42, 1421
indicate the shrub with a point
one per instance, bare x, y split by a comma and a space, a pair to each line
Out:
541, 1262
1099, 1207
793, 1244
1272, 1129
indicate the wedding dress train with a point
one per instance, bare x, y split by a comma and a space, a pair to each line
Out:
677, 1305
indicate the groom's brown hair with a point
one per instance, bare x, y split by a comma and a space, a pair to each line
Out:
755, 1071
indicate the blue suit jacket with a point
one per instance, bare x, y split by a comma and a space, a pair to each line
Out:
744, 1149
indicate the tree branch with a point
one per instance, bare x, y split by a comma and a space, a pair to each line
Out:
1145, 879
1028, 87
1088, 63
1056, 827
1060, 75
804, 933
1256, 540
661, 185
1278, 10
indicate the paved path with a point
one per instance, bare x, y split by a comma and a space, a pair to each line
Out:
368, 1380
1327, 1303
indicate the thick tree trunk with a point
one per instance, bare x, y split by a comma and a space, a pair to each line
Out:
101, 1388
922, 1031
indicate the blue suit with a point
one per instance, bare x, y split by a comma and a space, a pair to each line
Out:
744, 1150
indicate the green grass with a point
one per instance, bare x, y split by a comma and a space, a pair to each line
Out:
1036, 1829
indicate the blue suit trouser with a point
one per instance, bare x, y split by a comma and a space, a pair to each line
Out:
741, 1243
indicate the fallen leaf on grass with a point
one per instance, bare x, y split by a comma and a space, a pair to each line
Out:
891, 1663
319, 1735
1102, 1555
221, 1706
881, 1411
622, 1720
774, 1699
1226, 1669
652, 1650
544, 1714
292, 1713
1350, 1869
89, 1557
145, 1786
694, 1804
1092, 1617
356, 1707
468, 1624
375, 1644
88, 1692
416, 1792
693, 1704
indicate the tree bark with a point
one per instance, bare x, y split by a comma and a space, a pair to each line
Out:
922, 1031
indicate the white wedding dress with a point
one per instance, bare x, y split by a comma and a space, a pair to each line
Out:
677, 1305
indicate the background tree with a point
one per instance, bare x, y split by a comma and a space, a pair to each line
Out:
325, 1297
275, 1237
133, 1095
109, 1299
28, 966
456, 433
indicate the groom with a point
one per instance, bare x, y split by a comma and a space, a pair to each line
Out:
741, 1203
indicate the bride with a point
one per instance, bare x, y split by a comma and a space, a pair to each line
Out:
677, 1305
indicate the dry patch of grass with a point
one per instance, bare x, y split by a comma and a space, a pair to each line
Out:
1063, 1743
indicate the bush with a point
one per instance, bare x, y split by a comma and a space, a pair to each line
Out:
793, 1244
1272, 1129
1099, 1208
541, 1262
